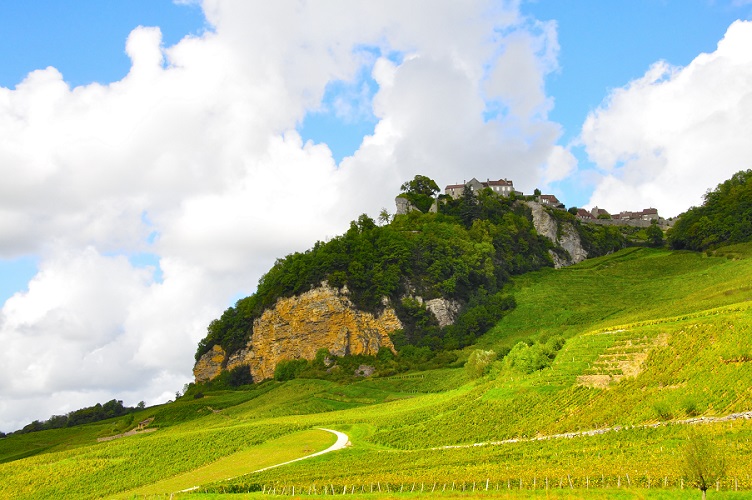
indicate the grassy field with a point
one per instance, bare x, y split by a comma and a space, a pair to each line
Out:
654, 339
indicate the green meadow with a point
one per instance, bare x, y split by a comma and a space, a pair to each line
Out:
658, 351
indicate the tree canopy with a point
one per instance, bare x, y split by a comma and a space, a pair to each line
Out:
725, 217
421, 192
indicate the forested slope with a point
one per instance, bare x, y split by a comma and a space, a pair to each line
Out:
466, 252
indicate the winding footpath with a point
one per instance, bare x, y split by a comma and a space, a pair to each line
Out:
342, 441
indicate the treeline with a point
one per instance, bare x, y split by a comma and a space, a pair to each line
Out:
465, 252
110, 409
724, 218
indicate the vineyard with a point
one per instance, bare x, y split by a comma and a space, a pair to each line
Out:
658, 350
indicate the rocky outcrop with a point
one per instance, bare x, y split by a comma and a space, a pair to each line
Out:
570, 241
563, 235
297, 327
445, 310
210, 364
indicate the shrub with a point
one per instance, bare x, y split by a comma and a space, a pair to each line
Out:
479, 363
289, 369
240, 375
528, 358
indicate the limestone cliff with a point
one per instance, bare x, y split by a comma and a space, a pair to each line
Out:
565, 236
297, 327
210, 364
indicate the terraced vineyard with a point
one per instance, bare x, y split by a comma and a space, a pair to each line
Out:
657, 341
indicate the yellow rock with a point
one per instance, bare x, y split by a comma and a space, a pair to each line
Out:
297, 327
209, 365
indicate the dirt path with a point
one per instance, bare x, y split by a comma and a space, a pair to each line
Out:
594, 432
342, 441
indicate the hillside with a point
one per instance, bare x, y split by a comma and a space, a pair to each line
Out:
652, 337
431, 280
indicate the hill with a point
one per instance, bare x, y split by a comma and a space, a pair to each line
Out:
432, 282
656, 341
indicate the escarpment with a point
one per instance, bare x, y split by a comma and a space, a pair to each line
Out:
296, 327
562, 234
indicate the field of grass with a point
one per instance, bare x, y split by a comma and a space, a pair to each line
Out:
654, 338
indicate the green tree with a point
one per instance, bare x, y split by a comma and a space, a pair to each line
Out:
469, 209
421, 192
288, 369
479, 363
384, 217
724, 218
573, 210
420, 185
240, 375
655, 235
703, 462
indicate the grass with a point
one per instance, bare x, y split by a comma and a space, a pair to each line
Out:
653, 337
269, 453
591, 494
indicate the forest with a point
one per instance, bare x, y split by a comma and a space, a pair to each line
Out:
724, 218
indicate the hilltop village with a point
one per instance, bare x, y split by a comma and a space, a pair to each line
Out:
505, 187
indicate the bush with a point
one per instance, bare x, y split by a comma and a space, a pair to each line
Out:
289, 369
479, 363
662, 410
528, 358
240, 375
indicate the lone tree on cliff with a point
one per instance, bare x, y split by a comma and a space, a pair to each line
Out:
421, 192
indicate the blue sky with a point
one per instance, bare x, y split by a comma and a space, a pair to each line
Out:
151, 176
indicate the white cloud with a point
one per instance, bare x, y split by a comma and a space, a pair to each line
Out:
666, 138
194, 157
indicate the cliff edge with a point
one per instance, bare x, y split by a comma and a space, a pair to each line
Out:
296, 327
562, 234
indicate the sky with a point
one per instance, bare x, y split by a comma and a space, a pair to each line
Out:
156, 157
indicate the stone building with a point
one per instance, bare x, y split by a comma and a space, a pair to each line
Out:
504, 187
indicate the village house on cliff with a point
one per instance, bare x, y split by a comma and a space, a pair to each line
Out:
504, 187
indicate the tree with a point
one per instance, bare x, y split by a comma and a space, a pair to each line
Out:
420, 185
240, 375
536, 192
704, 462
421, 192
384, 217
572, 210
479, 363
724, 218
655, 235
469, 209
288, 369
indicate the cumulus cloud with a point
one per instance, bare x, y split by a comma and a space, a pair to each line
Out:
665, 138
193, 158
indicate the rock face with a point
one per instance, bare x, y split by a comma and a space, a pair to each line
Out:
297, 327
209, 365
445, 310
565, 236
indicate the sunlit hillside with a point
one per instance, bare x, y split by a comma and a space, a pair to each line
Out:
655, 340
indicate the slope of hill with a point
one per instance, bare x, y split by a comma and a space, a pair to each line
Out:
423, 280
653, 337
